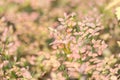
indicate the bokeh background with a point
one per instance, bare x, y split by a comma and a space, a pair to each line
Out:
25, 37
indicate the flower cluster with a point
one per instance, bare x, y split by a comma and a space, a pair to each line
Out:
10, 66
80, 47
80, 50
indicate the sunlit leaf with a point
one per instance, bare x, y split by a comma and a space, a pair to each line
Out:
112, 4
118, 13
118, 42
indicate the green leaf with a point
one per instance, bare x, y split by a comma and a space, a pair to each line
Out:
13, 74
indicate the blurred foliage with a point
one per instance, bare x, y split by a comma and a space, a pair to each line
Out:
25, 51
